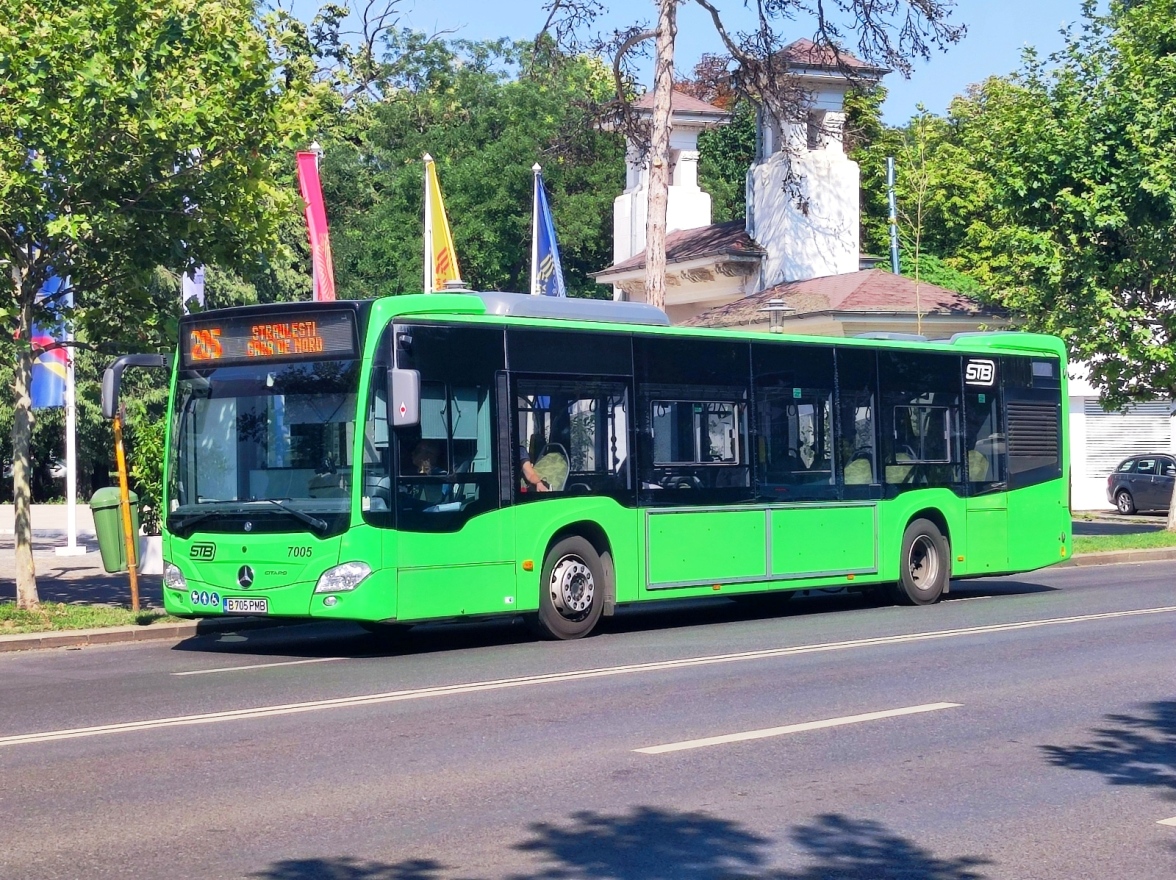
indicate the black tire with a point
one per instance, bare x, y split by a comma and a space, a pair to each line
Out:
925, 564
1124, 503
571, 590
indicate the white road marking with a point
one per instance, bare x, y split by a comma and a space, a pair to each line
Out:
1171, 822
501, 684
259, 666
792, 728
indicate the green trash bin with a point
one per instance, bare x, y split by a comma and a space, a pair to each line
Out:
108, 526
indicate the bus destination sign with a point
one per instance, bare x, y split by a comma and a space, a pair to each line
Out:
244, 339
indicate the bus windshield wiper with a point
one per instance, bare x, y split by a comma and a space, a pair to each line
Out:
313, 521
185, 523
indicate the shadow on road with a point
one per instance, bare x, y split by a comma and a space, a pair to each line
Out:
1129, 749
651, 843
344, 639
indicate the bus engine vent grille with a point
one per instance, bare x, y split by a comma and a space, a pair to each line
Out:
1033, 430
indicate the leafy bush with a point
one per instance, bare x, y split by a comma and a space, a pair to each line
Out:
146, 433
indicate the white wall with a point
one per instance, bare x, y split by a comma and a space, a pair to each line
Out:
808, 225
688, 207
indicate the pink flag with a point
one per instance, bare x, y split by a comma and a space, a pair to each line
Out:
316, 226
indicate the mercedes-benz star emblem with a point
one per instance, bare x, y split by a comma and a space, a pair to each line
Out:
245, 576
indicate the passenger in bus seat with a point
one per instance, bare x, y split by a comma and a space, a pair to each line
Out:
531, 478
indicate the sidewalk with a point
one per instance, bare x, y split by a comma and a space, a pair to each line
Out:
82, 580
50, 521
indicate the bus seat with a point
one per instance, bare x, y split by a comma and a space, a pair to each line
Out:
553, 465
859, 472
977, 466
899, 473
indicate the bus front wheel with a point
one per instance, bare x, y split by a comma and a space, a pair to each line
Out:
925, 565
571, 589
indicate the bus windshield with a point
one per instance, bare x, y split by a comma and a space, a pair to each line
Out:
268, 442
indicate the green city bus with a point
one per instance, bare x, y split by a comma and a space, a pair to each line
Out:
471, 455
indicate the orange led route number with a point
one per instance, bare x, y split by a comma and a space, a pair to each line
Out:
271, 339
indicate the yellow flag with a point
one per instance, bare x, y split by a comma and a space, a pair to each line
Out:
440, 257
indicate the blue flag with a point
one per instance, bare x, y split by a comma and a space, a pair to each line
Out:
50, 369
546, 269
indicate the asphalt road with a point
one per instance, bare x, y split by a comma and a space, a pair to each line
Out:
1024, 728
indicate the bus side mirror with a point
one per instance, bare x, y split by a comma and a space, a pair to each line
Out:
404, 397
112, 377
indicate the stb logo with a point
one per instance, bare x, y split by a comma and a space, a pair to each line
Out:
203, 551
980, 372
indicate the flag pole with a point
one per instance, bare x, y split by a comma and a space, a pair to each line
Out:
71, 459
536, 170
316, 280
428, 261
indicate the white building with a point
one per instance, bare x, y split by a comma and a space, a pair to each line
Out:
1099, 439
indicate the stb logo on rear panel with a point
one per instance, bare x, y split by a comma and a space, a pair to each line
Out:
980, 371
203, 551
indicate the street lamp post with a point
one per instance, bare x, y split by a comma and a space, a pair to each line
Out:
776, 309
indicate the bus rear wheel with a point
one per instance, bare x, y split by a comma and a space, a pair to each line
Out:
572, 589
925, 566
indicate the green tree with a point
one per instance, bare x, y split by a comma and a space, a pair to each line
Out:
133, 135
1081, 209
1071, 197
725, 152
485, 117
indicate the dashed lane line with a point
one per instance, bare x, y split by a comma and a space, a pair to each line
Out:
550, 678
793, 728
251, 666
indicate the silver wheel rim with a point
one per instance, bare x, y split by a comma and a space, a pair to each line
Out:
923, 562
572, 587
1124, 503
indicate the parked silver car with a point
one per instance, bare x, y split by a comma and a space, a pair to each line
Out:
1142, 482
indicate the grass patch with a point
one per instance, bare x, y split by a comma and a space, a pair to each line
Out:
1136, 541
58, 616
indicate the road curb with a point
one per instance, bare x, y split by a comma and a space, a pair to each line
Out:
155, 632
177, 632
1108, 557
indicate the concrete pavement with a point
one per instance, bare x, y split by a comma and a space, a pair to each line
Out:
82, 580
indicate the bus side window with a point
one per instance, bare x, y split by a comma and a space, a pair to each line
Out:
857, 459
376, 501
984, 439
920, 409
574, 433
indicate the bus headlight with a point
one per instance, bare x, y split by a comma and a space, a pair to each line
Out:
173, 578
342, 578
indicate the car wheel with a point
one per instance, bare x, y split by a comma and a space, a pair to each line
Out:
1124, 502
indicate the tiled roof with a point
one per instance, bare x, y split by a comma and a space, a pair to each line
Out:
872, 290
680, 102
806, 53
718, 239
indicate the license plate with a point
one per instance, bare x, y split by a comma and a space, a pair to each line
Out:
246, 606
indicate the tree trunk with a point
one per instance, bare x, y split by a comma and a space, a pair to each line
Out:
1172, 509
22, 435
659, 155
